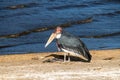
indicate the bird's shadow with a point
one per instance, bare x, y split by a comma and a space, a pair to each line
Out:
58, 57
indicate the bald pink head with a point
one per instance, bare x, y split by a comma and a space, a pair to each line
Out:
58, 29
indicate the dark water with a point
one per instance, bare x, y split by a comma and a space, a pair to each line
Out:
21, 22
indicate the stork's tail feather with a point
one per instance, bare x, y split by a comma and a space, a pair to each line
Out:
87, 54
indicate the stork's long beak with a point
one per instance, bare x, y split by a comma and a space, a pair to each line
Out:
51, 38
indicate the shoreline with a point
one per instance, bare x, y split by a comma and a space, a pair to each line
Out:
37, 56
105, 65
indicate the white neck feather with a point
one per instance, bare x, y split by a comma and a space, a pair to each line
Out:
58, 36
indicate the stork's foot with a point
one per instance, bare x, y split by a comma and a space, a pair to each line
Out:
68, 57
64, 57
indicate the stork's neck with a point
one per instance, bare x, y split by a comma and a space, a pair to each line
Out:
58, 36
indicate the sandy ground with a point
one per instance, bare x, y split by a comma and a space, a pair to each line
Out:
105, 65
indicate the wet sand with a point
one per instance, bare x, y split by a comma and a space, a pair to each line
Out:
105, 65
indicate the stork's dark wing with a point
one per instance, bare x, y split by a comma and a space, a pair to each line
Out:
84, 51
73, 43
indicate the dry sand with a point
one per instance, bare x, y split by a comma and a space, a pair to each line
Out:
105, 65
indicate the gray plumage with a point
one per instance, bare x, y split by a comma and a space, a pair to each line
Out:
72, 43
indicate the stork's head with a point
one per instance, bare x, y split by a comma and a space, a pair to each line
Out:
58, 30
55, 34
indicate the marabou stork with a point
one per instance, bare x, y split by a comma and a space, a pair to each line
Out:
69, 43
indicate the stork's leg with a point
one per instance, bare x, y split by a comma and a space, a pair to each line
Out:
64, 57
68, 57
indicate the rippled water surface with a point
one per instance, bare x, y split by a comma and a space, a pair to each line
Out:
25, 25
